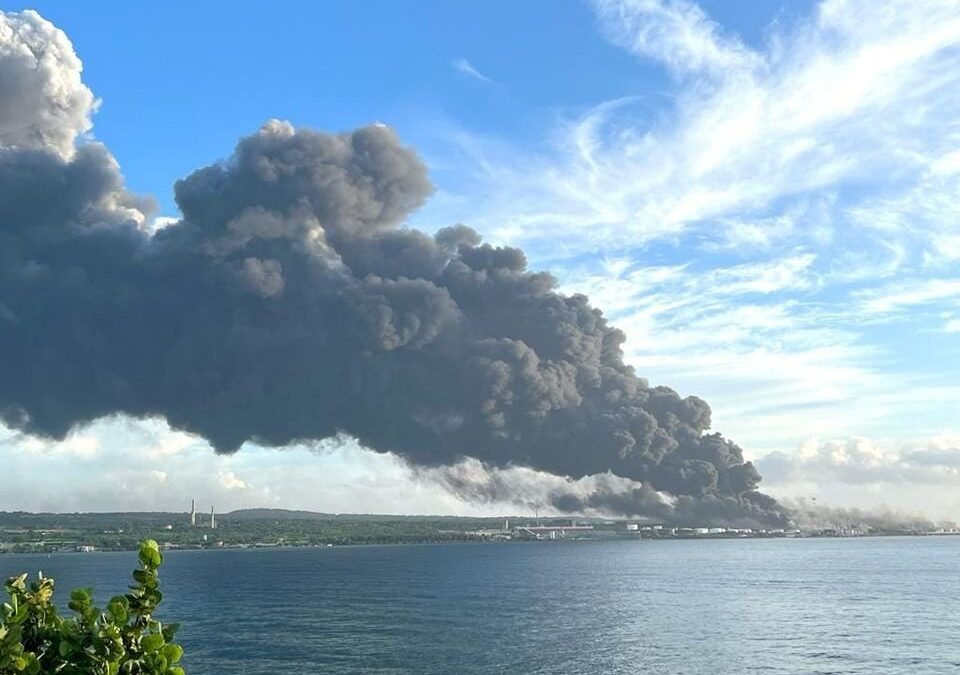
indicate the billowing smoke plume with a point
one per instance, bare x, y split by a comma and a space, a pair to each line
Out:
289, 304
811, 516
604, 494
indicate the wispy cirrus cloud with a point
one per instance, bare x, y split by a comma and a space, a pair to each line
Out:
905, 295
760, 227
464, 67
678, 33
852, 95
776, 362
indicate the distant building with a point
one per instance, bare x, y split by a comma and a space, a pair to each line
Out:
550, 531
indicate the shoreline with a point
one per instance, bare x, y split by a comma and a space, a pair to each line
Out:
472, 541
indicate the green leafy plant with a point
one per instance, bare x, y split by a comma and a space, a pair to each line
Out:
121, 639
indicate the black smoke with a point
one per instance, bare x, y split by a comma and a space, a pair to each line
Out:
289, 304
605, 494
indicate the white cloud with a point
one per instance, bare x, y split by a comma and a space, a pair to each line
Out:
157, 223
788, 273
464, 67
952, 326
151, 467
827, 104
776, 362
913, 475
754, 228
947, 164
230, 481
80, 444
676, 32
45, 105
908, 294
864, 460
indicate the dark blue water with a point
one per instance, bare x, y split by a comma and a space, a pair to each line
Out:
730, 606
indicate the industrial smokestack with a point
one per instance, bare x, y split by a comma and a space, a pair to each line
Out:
289, 304
193, 513
213, 519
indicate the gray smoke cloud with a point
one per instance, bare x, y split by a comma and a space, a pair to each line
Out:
289, 304
602, 495
810, 515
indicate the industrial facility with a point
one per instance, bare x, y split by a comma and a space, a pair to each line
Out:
212, 524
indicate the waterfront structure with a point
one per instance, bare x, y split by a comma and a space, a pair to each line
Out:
550, 531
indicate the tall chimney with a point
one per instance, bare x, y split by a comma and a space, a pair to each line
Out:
213, 519
193, 513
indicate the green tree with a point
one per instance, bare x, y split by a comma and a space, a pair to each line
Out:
122, 639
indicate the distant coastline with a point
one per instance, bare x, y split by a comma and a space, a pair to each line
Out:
23, 532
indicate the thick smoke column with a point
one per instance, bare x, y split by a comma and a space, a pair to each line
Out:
603, 494
288, 304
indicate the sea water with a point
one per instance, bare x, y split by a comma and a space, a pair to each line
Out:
872, 605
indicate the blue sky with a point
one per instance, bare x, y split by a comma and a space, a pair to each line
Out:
200, 79
764, 196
